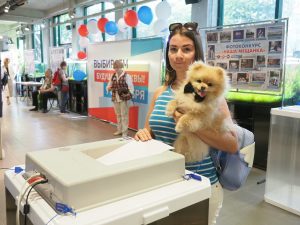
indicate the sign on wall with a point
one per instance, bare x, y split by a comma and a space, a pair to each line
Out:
29, 67
252, 55
142, 61
57, 55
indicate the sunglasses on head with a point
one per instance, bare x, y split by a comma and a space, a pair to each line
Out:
191, 26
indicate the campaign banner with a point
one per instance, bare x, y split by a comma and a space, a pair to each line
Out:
252, 55
142, 61
57, 55
29, 67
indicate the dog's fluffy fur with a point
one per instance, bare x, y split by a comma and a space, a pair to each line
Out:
198, 98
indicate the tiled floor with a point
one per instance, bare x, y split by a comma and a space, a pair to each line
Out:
25, 131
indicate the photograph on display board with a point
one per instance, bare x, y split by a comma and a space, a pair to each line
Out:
274, 79
259, 78
261, 61
212, 37
211, 63
243, 78
234, 65
274, 61
211, 52
250, 33
247, 64
223, 65
275, 46
225, 36
229, 77
275, 32
238, 35
261, 33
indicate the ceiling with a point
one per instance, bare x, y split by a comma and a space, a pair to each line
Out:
35, 10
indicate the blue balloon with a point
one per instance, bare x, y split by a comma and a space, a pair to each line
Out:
145, 15
79, 75
111, 28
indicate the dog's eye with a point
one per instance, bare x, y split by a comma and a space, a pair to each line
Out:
199, 81
209, 84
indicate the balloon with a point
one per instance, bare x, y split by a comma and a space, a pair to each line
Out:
83, 42
79, 75
131, 18
92, 26
145, 15
81, 55
83, 31
101, 24
111, 28
160, 27
163, 10
123, 27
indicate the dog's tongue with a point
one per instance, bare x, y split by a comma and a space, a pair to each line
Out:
202, 94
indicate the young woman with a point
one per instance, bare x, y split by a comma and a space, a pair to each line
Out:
8, 89
64, 88
46, 91
184, 47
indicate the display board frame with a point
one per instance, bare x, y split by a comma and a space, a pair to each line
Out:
242, 44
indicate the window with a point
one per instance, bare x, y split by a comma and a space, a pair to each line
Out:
291, 9
180, 13
244, 11
61, 35
65, 35
97, 8
37, 43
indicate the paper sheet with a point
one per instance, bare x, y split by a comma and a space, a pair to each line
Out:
134, 150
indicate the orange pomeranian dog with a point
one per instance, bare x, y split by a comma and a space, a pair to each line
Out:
198, 99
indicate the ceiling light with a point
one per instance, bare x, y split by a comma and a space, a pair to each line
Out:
26, 28
1, 37
122, 2
7, 7
72, 13
43, 24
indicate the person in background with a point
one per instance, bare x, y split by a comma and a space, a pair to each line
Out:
122, 89
46, 91
64, 89
183, 48
8, 88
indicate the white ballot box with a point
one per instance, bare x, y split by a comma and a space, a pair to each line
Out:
283, 170
111, 182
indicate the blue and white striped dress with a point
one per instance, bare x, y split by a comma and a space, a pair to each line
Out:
163, 128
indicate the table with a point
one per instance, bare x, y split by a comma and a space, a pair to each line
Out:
28, 84
283, 171
184, 202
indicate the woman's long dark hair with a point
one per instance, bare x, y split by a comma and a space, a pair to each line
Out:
195, 37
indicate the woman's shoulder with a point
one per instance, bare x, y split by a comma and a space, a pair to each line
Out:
160, 90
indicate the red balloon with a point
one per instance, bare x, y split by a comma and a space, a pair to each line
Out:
81, 55
83, 31
101, 24
131, 18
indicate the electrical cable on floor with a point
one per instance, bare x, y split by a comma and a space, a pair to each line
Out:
26, 208
52, 219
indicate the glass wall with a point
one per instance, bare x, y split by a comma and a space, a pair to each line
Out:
65, 35
245, 11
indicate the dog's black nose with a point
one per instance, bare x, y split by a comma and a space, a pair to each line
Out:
202, 88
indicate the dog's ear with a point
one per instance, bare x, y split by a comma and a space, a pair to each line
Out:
220, 72
188, 88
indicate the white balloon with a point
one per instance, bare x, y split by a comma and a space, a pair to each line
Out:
83, 42
160, 27
163, 10
123, 27
92, 26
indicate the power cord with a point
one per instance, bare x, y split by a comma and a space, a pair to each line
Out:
26, 208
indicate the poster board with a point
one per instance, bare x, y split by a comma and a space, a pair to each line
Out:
57, 55
142, 61
253, 55
16, 60
29, 67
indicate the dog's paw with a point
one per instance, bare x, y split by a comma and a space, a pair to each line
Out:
179, 127
171, 107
